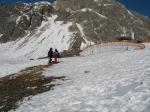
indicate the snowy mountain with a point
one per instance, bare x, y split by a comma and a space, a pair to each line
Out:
106, 77
69, 24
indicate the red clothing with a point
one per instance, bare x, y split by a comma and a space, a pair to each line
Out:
55, 57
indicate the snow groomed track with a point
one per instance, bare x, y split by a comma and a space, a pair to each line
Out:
111, 47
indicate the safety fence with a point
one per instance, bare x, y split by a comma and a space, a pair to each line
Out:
112, 46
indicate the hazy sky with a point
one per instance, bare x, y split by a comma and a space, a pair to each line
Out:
141, 6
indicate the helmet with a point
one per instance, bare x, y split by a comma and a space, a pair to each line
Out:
51, 49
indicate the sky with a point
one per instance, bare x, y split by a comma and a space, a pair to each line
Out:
141, 6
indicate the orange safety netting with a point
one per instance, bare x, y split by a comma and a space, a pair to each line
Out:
137, 46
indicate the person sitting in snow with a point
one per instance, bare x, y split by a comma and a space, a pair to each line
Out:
56, 55
50, 55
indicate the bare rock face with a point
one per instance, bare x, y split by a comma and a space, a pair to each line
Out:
17, 19
99, 19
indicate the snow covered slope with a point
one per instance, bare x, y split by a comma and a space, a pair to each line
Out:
15, 55
105, 82
37, 43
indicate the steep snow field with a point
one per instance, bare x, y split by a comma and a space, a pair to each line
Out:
102, 82
49, 34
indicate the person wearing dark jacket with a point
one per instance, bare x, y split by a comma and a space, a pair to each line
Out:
50, 55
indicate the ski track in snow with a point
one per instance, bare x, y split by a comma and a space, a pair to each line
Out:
104, 82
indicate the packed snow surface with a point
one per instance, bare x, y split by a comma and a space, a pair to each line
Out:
10, 65
117, 81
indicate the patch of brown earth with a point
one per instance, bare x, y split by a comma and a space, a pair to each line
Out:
29, 82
